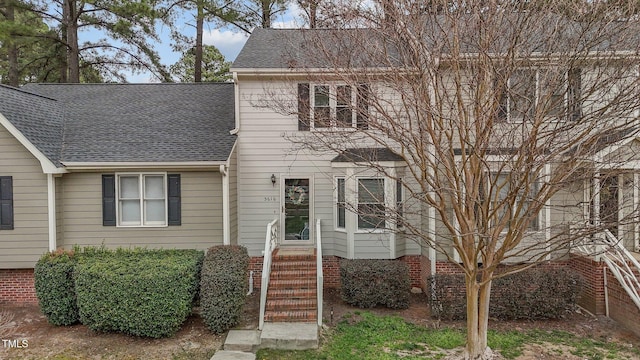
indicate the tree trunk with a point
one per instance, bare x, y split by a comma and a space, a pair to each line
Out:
266, 14
478, 297
73, 52
12, 48
197, 70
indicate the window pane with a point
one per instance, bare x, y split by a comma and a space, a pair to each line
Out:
154, 187
552, 89
130, 212
522, 92
154, 211
371, 216
129, 188
340, 190
371, 191
344, 115
341, 216
321, 95
321, 117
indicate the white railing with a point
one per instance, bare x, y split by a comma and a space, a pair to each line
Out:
270, 243
319, 274
622, 264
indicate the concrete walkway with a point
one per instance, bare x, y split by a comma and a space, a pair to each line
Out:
242, 344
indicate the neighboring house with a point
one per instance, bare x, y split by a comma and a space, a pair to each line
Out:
116, 165
198, 165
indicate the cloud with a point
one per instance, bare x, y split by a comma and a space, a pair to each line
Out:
228, 42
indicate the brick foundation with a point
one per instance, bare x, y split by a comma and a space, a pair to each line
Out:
17, 286
592, 272
621, 308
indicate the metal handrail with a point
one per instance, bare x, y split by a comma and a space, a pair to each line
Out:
270, 243
319, 280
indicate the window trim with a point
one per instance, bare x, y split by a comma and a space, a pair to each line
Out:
571, 105
333, 107
142, 200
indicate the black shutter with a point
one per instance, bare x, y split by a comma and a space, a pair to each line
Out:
364, 93
304, 107
6, 203
174, 211
109, 200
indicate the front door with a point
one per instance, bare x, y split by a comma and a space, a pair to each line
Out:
296, 211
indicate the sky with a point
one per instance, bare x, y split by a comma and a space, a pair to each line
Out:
227, 40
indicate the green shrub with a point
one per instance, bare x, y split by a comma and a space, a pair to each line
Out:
55, 287
368, 283
223, 286
531, 294
138, 292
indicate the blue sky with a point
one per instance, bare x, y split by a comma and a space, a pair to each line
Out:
227, 40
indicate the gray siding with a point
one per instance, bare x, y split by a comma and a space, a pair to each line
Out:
22, 246
201, 215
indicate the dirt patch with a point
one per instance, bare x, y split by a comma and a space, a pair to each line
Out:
195, 341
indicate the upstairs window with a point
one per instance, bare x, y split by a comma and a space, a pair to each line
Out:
531, 89
336, 106
333, 106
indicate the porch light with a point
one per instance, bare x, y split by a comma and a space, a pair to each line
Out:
273, 179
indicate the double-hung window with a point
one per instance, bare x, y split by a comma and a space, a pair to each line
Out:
333, 106
371, 203
142, 199
501, 185
556, 94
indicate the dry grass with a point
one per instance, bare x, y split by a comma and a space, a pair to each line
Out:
6, 324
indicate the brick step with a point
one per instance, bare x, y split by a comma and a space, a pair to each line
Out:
291, 293
291, 304
291, 316
293, 265
293, 274
290, 257
292, 284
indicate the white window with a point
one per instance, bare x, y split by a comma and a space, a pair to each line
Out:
371, 204
556, 94
341, 204
333, 106
501, 189
142, 199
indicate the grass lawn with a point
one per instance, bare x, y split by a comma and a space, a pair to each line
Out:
366, 336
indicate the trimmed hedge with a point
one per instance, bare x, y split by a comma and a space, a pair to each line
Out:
367, 283
531, 294
55, 287
138, 292
223, 286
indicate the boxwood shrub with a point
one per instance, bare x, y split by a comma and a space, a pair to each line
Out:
137, 292
55, 287
223, 286
367, 283
531, 294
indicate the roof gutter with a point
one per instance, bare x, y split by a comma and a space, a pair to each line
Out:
187, 165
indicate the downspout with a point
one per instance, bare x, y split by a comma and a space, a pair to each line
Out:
226, 224
51, 210
236, 108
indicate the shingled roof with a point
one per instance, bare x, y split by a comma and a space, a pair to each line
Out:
38, 118
133, 122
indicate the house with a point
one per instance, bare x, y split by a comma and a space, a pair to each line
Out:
197, 165
117, 165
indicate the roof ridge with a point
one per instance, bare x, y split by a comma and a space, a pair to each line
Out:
27, 92
132, 84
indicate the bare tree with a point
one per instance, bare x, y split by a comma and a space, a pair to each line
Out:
504, 113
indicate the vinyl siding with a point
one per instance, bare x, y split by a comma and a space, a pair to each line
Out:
264, 149
201, 215
23, 246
